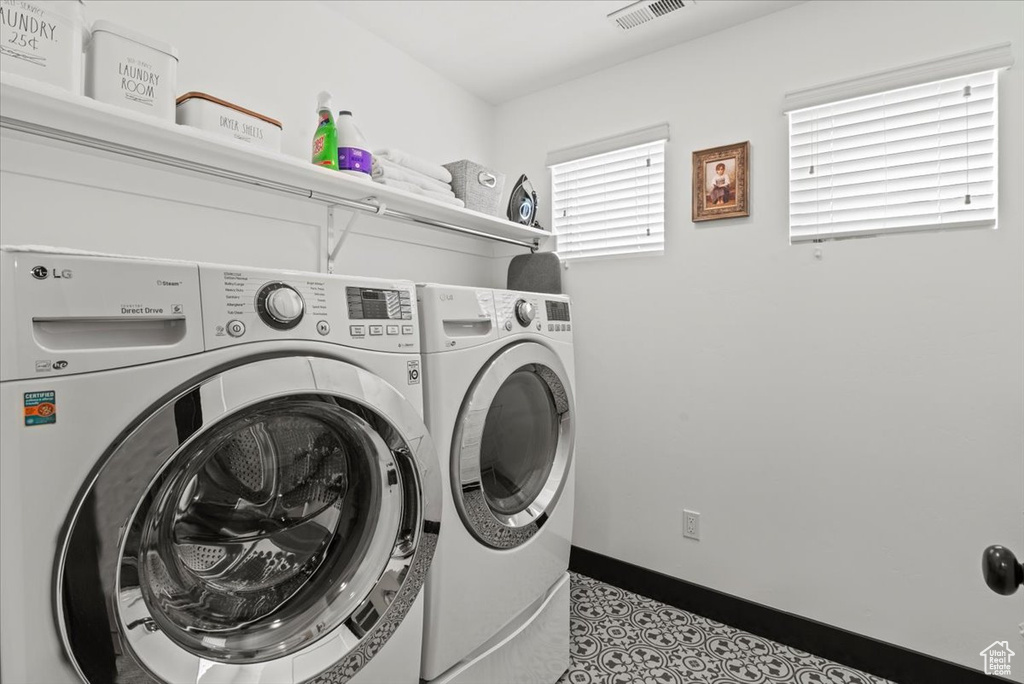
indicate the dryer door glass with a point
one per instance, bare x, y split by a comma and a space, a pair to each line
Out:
513, 444
519, 441
277, 505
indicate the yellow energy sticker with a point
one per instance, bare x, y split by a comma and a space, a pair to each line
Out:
40, 408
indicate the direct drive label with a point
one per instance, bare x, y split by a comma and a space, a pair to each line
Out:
40, 408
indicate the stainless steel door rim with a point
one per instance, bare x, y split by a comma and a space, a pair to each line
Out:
530, 373
261, 510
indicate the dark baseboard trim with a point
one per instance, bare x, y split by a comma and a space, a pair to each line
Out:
879, 658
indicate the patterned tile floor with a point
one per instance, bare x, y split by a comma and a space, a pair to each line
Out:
619, 637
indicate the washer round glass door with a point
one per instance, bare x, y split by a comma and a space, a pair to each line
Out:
251, 518
513, 445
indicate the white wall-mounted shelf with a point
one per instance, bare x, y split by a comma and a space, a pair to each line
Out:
39, 109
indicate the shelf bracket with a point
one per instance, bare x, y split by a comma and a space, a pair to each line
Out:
352, 220
380, 209
375, 206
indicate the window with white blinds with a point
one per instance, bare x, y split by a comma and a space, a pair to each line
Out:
916, 158
611, 203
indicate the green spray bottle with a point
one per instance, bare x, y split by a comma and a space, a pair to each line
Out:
325, 140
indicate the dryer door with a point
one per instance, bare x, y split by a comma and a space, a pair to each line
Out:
513, 445
272, 523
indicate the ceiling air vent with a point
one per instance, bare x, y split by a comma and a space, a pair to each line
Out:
639, 13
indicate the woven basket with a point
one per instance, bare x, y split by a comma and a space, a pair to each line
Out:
479, 187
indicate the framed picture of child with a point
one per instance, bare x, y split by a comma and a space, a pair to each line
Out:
721, 182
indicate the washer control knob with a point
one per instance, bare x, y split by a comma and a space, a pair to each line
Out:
235, 328
524, 312
508, 324
280, 306
284, 305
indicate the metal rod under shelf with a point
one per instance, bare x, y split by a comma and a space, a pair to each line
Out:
370, 206
167, 160
401, 215
530, 245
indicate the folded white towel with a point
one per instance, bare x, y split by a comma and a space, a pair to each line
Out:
382, 168
415, 163
417, 190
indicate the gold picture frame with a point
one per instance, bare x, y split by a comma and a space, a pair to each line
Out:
721, 182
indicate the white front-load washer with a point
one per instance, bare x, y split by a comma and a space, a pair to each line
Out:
210, 474
499, 386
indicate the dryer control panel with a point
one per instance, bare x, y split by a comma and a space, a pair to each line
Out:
532, 312
462, 317
255, 305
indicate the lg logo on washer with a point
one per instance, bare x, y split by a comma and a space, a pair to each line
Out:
41, 273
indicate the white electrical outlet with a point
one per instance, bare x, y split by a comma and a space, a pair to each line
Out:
691, 524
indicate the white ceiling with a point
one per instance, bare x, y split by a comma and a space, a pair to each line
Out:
503, 49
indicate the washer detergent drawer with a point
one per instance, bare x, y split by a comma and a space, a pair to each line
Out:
84, 334
70, 313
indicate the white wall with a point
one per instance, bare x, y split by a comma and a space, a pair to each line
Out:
272, 57
850, 429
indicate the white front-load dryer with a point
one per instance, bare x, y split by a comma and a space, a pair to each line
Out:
499, 386
210, 474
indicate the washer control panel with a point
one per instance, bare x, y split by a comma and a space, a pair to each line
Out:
253, 305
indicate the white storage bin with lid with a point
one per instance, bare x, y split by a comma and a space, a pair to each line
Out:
128, 69
219, 116
42, 39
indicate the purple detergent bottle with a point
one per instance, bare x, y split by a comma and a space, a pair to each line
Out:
353, 154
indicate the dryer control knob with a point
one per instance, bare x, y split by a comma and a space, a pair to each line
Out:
280, 306
524, 312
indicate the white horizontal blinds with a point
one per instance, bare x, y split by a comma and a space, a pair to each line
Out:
917, 158
611, 203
